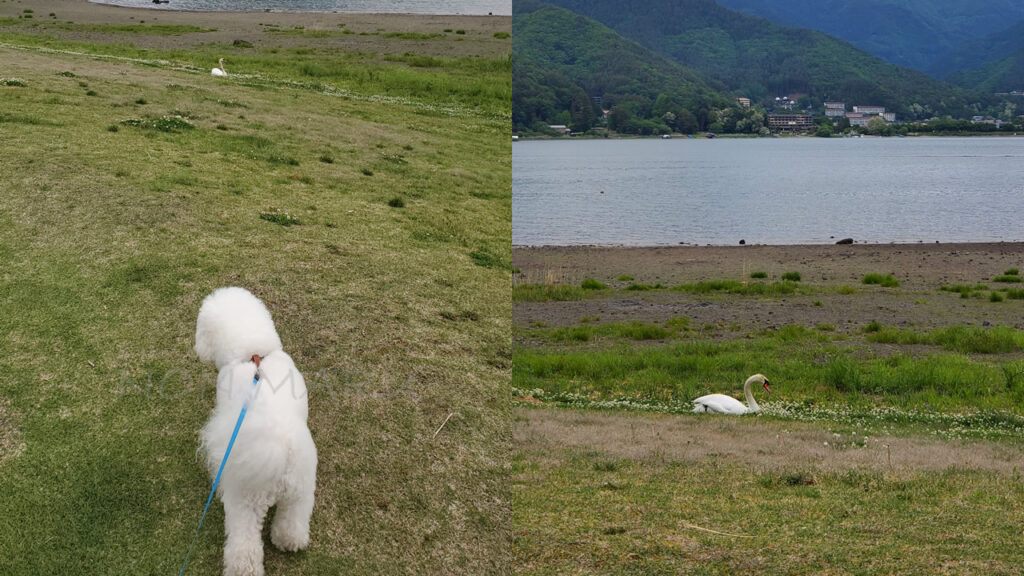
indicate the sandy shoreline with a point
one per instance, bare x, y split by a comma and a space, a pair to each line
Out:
917, 265
253, 27
922, 270
166, 6
87, 11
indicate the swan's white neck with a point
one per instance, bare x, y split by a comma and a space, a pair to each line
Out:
751, 403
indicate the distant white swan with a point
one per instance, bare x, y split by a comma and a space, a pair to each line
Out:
722, 404
219, 71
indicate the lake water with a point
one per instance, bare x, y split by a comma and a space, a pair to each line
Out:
468, 7
767, 191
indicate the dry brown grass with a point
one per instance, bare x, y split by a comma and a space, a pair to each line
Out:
598, 493
757, 443
10, 435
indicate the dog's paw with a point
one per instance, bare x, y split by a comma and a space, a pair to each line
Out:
289, 536
243, 563
243, 571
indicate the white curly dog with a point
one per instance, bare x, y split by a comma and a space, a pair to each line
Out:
273, 460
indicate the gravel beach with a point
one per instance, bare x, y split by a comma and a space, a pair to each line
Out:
922, 269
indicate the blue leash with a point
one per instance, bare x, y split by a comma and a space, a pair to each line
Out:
234, 434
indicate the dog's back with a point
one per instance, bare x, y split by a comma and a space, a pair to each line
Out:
274, 429
273, 460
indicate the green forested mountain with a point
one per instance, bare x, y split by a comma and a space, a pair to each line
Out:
567, 68
928, 35
1005, 75
992, 64
760, 60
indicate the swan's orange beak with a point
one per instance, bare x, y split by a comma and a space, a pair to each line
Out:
767, 389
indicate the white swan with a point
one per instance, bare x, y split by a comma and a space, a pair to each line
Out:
219, 71
722, 404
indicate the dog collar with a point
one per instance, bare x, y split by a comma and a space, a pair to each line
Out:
256, 359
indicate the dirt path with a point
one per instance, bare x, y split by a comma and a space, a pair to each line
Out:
762, 444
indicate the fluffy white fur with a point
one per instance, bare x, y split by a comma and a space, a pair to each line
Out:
273, 460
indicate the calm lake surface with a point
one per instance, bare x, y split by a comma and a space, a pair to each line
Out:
468, 7
767, 191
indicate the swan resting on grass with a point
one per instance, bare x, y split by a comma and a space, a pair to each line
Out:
722, 404
219, 71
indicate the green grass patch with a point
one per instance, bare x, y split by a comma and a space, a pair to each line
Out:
1013, 294
417, 60
873, 327
963, 339
545, 292
759, 275
128, 29
588, 331
412, 35
886, 280
813, 367
591, 284
641, 331
282, 218
677, 324
634, 287
965, 290
167, 123
11, 118
791, 276
487, 260
301, 32
148, 29
740, 288
1009, 279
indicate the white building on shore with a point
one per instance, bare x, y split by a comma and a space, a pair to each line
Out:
861, 115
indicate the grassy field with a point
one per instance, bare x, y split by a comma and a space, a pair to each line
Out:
662, 366
582, 511
867, 458
365, 199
